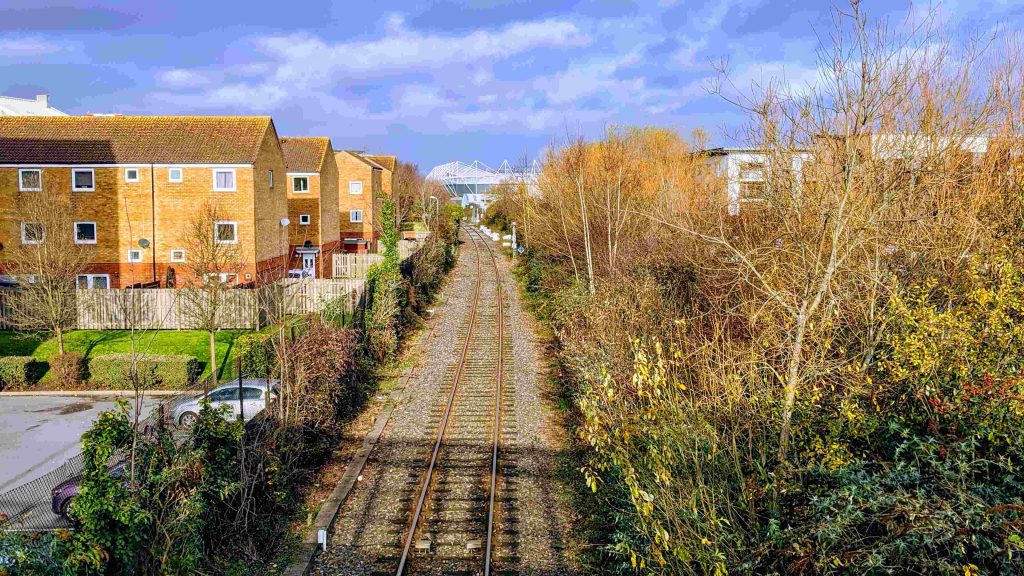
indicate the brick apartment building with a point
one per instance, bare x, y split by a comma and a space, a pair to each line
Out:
312, 187
360, 189
134, 178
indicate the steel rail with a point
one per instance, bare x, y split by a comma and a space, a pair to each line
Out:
496, 437
425, 490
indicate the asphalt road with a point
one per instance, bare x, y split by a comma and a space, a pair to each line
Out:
38, 434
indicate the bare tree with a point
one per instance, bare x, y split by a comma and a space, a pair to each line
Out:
213, 263
406, 192
48, 262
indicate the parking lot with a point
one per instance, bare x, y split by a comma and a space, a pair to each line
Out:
38, 435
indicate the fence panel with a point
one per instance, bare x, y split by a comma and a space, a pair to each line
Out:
354, 265
312, 295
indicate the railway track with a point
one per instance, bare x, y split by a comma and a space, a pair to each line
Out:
452, 526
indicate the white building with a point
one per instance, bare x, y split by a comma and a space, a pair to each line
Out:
745, 171
40, 106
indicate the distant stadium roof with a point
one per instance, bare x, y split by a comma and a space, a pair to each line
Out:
461, 179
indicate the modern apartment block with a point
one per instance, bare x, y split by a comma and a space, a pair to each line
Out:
312, 185
361, 186
135, 183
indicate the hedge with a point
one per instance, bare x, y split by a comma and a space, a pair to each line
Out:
112, 371
15, 371
257, 353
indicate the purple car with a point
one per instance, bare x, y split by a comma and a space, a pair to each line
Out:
64, 493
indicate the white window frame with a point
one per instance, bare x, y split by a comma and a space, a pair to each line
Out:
137, 175
270, 178
92, 174
222, 277
36, 170
177, 259
28, 242
296, 178
304, 217
234, 179
90, 281
134, 251
352, 218
355, 187
181, 174
95, 233
216, 226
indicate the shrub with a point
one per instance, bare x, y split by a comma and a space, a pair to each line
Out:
66, 369
257, 353
15, 371
113, 371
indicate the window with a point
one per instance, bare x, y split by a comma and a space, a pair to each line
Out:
174, 175
355, 215
30, 180
355, 187
224, 395
225, 232
32, 233
752, 181
83, 180
303, 218
300, 184
223, 180
135, 255
270, 178
223, 277
131, 174
97, 281
249, 393
177, 255
85, 232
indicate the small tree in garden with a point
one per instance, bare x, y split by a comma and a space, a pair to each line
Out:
47, 262
213, 263
384, 281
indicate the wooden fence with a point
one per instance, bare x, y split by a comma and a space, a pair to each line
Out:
354, 265
172, 309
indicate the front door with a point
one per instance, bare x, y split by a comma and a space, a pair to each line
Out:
309, 265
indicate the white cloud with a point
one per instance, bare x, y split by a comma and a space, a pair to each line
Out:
27, 47
182, 78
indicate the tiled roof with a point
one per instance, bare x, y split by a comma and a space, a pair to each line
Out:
361, 157
388, 162
131, 139
304, 154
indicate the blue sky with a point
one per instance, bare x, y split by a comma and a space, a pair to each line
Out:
431, 81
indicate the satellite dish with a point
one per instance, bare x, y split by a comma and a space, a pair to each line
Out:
285, 221
143, 243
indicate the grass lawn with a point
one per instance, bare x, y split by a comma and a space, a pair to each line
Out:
95, 342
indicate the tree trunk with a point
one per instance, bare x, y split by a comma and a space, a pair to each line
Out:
792, 380
60, 340
213, 359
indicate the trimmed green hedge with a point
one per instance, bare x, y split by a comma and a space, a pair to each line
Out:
257, 353
112, 371
15, 371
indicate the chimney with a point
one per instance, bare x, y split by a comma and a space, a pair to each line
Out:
43, 99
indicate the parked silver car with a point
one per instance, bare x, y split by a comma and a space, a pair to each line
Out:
253, 400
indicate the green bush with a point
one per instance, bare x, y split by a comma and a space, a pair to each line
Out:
113, 371
257, 353
15, 371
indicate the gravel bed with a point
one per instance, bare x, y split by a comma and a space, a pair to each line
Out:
366, 537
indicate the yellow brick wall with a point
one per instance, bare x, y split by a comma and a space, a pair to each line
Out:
330, 215
271, 204
351, 168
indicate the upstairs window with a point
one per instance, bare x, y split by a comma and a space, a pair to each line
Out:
131, 174
32, 233
223, 180
30, 180
225, 232
355, 216
303, 219
174, 175
85, 232
270, 178
135, 255
300, 184
355, 187
83, 180
177, 255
